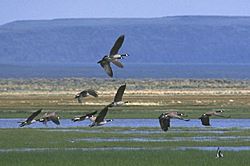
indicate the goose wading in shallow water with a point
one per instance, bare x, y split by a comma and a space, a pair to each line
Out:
164, 119
99, 120
219, 153
83, 117
118, 97
49, 117
85, 93
30, 119
205, 117
113, 57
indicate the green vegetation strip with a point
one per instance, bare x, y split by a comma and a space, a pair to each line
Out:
58, 138
140, 158
65, 147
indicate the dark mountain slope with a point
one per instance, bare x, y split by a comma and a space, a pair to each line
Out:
184, 39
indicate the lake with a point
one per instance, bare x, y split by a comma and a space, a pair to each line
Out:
138, 71
67, 123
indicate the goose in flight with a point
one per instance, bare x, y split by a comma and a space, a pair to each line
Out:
164, 119
50, 117
113, 57
99, 120
205, 117
85, 93
30, 119
118, 97
83, 117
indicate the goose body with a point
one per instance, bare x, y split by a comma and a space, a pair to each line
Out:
113, 57
175, 115
83, 117
117, 104
50, 117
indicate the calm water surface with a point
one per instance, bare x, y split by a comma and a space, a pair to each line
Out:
66, 123
155, 71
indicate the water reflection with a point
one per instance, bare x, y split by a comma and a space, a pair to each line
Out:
67, 123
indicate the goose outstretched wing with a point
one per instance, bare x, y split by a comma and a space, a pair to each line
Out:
117, 63
119, 93
164, 123
102, 115
205, 120
107, 67
33, 115
92, 92
117, 45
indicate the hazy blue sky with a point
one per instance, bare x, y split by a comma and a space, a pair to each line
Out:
11, 10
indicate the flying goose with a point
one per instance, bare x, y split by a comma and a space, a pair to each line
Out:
113, 57
205, 117
85, 93
164, 119
50, 117
99, 120
83, 117
219, 153
30, 119
118, 97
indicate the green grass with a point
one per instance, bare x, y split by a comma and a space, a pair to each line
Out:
139, 158
57, 138
58, 142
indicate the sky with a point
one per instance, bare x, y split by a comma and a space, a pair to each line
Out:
12, 10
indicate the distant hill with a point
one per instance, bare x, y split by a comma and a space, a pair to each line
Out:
182, 39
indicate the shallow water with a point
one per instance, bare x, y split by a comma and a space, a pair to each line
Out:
135, 131
211, 148
67, 123
170, 139
67, 149
206, 148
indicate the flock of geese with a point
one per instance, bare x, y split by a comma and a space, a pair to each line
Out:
114, 57
45, 118
98, 120
164, 118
